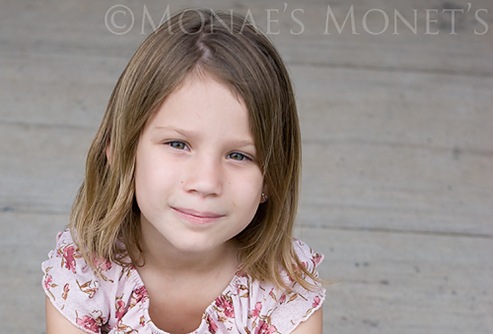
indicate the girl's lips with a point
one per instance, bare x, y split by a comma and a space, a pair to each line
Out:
197, 217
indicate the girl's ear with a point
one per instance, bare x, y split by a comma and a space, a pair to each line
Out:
264, 196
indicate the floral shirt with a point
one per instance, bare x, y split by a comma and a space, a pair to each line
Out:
113, 299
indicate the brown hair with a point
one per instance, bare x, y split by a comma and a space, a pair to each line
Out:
105, 216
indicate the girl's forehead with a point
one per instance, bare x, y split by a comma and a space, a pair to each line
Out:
195, 90
202, 101
205, 77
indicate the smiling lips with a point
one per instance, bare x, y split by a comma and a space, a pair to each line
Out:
197, 217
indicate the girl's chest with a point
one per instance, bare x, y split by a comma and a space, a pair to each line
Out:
180, 310
177, 315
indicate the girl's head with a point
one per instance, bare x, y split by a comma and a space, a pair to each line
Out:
196, 43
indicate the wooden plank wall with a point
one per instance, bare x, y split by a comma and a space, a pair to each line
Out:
397, 125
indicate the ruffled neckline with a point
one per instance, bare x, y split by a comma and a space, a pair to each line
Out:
229, 289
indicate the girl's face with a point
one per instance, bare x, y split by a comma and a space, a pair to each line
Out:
197, 180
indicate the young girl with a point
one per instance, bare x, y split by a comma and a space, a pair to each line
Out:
184, 221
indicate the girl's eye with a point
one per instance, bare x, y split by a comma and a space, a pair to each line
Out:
178, 145
238, 156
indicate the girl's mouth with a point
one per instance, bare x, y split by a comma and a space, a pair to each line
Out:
197, 217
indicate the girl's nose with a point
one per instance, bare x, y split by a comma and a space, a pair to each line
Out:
204, 176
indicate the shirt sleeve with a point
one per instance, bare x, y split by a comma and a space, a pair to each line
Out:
298, 305
73, 287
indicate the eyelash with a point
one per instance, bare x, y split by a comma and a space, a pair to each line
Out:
239, 156
173, 144
244, 157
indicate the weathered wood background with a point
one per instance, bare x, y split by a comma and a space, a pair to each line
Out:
397, 124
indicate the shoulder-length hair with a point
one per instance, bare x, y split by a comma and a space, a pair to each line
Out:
105, 216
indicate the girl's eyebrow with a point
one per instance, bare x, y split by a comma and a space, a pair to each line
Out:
243, 143
173, 129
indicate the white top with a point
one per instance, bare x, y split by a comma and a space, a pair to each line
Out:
116, 300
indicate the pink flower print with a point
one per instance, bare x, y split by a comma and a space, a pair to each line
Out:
266, 328
124, 329
48, 282
69, 254
317, 258
66, 289
243, 291
282, 300
121, 309
212, 325
316, 301
256, 311
90, 323
90, 287
137, 296
101, 264
225, 303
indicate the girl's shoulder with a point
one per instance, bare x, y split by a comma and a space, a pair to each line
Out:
263, 307
90, 296
310, 258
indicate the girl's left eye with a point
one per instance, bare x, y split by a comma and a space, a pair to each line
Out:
238, 156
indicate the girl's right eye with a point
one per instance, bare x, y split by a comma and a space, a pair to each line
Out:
177, 145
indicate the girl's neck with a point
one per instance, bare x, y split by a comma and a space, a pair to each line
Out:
173, 277
163, 257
